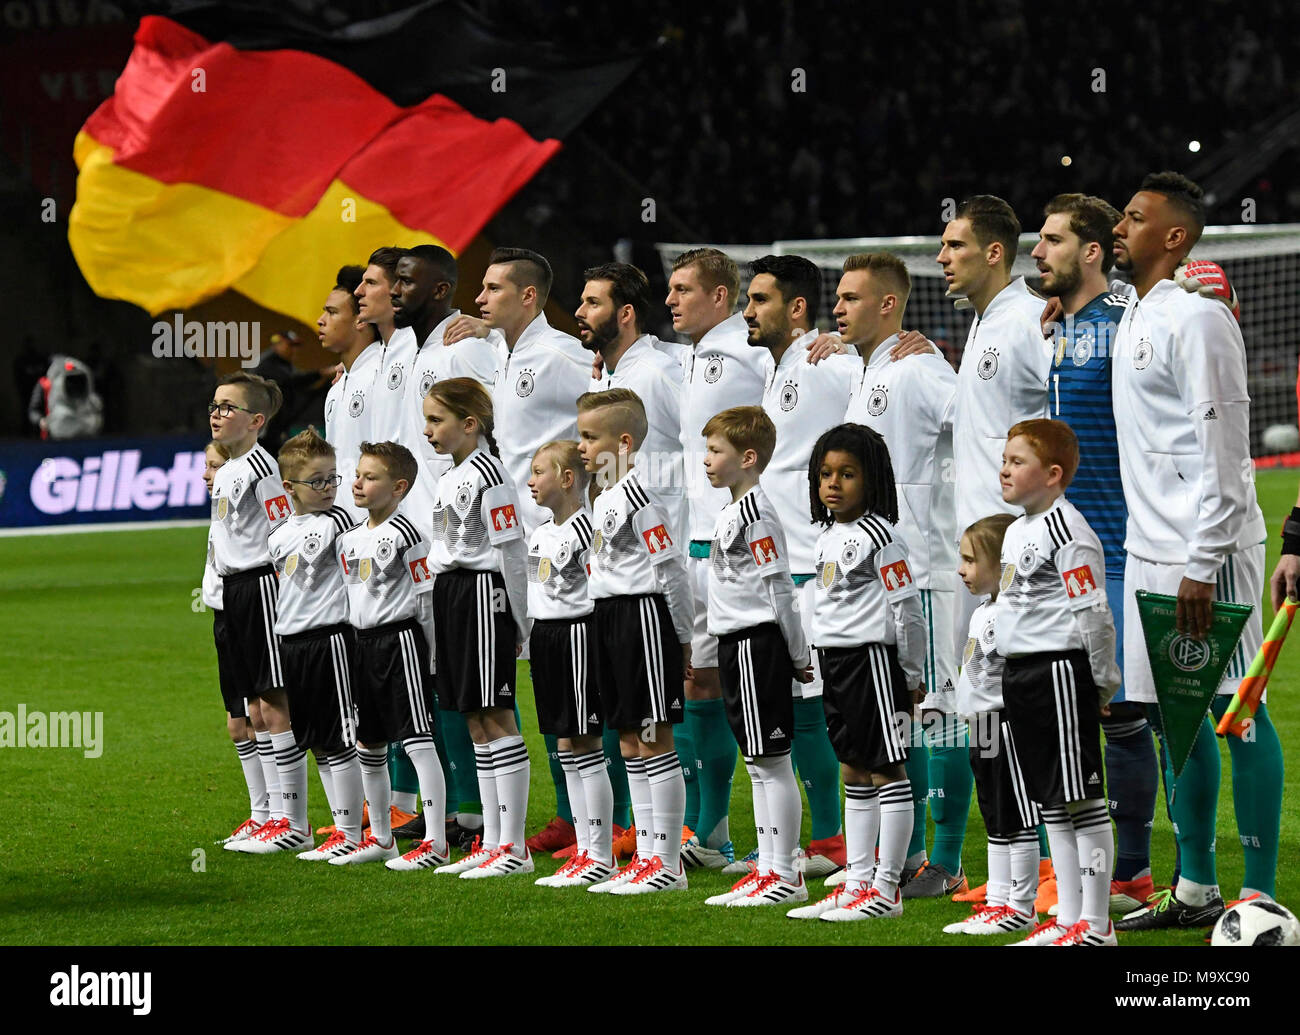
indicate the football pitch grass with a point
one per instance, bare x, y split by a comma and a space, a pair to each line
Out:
118, 849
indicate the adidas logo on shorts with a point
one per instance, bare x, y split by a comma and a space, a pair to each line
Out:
778, 732
1094, 778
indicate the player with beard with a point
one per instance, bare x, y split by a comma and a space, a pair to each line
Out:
1074, 254
803, 400
424, 282
1194, 529
612, 322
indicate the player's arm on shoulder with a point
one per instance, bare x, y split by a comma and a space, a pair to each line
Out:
463, 327
827, 344
911, 343
1209, 368
1208, 280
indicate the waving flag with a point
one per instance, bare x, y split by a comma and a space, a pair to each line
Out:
239, 164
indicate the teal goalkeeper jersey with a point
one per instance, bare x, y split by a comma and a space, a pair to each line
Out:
1080, 395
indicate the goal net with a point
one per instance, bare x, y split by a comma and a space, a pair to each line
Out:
1263, 263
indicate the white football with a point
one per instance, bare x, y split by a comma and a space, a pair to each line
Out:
1281, 438
1258, 921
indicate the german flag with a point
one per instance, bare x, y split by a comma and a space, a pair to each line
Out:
261, 154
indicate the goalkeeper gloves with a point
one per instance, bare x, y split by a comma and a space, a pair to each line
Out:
1209, 280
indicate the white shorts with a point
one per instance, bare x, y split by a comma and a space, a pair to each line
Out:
803, 603
704, 648
940, 668
1241, 579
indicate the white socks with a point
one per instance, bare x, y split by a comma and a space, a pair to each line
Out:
598, 794
405, 800
270, 775
1023, 853
668, 795
1096, 852
378, 790
1065, 861
643, 808
433, 787
251, 764
323, 769
999, 886
487, 792
291, 766
577, 800
347, 794
1189, 893
760, 817
896, 814
784, 812
861, 828
510, 765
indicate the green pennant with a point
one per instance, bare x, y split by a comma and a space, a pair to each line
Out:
1187, 672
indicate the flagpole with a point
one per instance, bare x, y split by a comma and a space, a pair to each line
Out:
1246, 701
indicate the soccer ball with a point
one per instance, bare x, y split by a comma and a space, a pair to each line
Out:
1257, 921
1280, 438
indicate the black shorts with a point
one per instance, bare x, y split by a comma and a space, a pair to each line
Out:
249, 598
475, 634
999, 785
754, 668
317, 675
868, 709
638, 662
562, 658
1051, 703
390, 683
232, 694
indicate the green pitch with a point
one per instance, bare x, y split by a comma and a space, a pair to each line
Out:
118, 849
